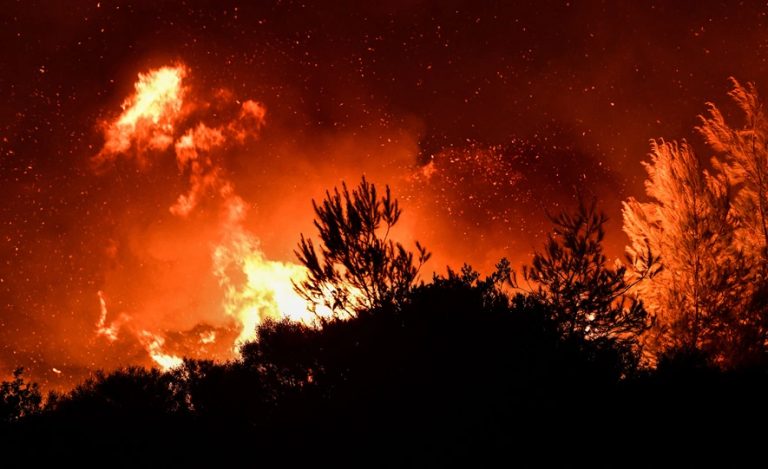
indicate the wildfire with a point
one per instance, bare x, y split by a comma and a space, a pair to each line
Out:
148, 117
154, 345
155, 119
256, 288
208, 337
110, 332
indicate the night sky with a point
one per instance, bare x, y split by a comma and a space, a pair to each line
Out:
482, 116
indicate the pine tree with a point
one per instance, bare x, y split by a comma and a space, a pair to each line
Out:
356, 266
687, 223
741, 157
587, 296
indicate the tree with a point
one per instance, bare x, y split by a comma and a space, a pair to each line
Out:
741, 156
18, 398
587, 298
133, 391
357, 267
687, 224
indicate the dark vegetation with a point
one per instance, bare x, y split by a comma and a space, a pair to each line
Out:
459, 370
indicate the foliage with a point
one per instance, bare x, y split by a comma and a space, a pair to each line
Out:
452, 374
18, 398
135, 391
742, 158
711, 231
490, 288
356, 266
585, 295
687, 223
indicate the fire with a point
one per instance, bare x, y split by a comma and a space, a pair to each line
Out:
154, 345
203, 175
208, 337
148, 116
155, 119
256, 288
110, 332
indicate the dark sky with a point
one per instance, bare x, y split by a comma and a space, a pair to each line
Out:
520, 107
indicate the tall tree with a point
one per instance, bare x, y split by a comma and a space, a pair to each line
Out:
586, 295
356, 266
741, 156
687, 223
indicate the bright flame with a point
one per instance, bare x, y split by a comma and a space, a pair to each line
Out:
256, 288
208, 337
148, 116
253, 287
110, 332
191, 155
154, 345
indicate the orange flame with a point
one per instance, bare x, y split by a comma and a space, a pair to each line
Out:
101, 327
154, 345
148, 116
253, 287
208, 337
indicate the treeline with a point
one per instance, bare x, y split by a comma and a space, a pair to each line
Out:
575, 361
458, 374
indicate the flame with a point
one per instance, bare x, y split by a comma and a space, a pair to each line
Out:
203, 174
110, 332
256, 288
148, 116
154, 345
208, 337
253, 287
151, 342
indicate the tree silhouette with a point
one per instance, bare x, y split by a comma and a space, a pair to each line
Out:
18, 398
585, 295
356, 266
687, 223
132, 392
